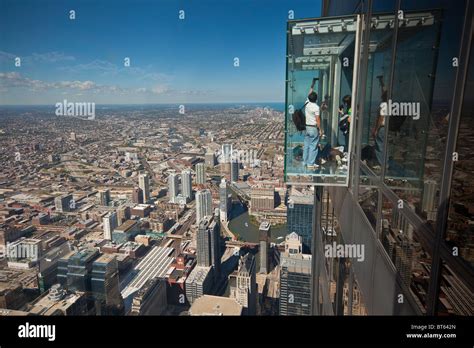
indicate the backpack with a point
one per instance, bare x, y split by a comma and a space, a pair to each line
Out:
344, 124
299, 118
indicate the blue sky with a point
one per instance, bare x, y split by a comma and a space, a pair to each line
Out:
172, 60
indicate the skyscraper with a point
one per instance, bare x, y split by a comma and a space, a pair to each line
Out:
234, 170
110, 222
225, 200
123, 214
295, 278
262, 199
428, 203
173, 187
186, 185
210, 159
208, 244
105, 286
245, 288
300, 217
203, 205
226, 153
264, 238
74, 270
63, 203
137, 195
104, 197
200, 173
144, 184
198, 283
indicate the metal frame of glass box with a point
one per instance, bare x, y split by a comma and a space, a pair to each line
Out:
331, 58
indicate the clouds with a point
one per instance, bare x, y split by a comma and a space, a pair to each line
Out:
57, 74
10, 81
51, 57
8, 58
96, 65
106, 68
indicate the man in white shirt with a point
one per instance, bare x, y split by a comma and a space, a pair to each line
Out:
313, 129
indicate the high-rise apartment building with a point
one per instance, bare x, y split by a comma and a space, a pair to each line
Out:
200, 173
123, 214
187, 185
137, 195
144, 184
173, 187
110, 222
210, 159
234, 170
64, 203
295, 278
208, 243
264, 242
104, 197
225, 200
203, 205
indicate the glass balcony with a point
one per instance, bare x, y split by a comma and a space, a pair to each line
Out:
321, 58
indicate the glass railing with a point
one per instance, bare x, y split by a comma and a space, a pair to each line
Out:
321, 60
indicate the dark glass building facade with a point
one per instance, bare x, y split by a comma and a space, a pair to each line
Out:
105, 286
300, 217
408, 202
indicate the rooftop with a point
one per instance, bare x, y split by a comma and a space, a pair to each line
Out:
215, 305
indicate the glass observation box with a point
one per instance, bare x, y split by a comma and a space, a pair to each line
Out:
321, 60
322, 77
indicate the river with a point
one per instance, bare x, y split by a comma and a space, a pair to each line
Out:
240, 225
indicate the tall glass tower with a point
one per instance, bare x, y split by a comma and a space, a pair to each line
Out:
144, 184
200, 173
173, 187
186, 185
203, 204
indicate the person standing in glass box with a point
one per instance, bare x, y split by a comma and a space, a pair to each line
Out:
345, 112
313, 129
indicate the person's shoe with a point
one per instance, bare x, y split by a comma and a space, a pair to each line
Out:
312, 167
323, 161
338, 159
